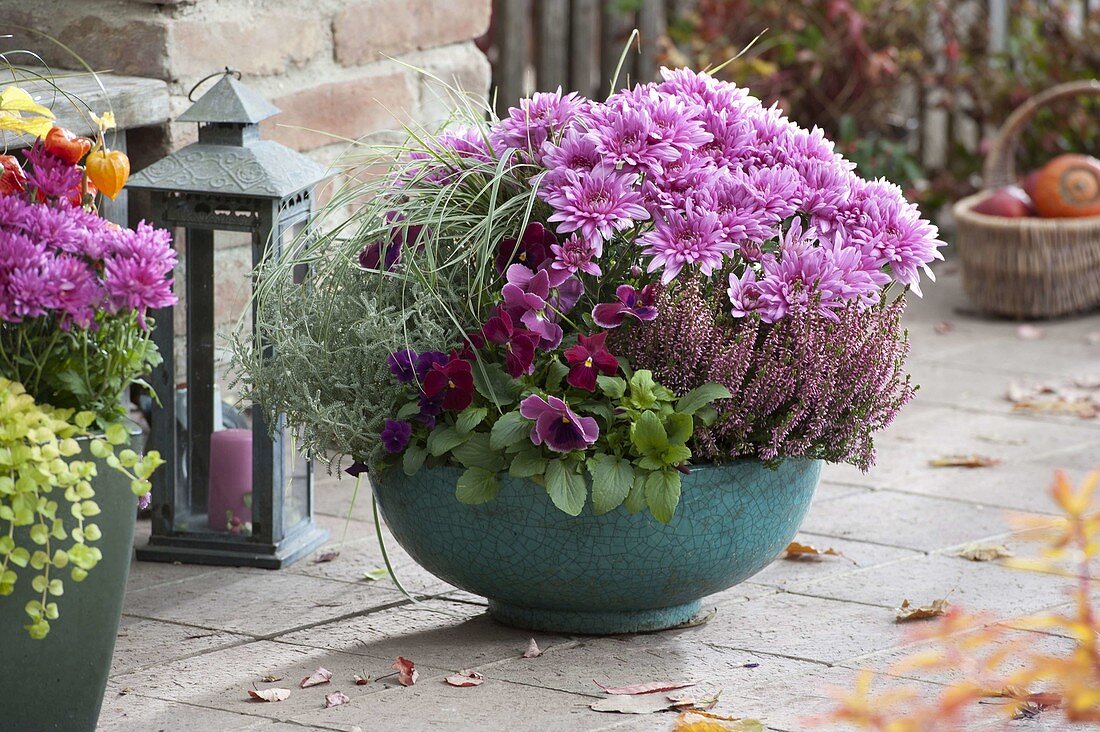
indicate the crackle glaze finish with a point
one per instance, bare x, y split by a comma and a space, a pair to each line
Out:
614, 573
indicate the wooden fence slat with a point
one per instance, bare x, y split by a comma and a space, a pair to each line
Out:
513, 50
651, 27
615, 27
584, 69
552, 45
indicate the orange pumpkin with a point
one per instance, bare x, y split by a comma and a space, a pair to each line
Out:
1068, 186
108, 169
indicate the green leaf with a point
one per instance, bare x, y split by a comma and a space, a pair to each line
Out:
508, 430
566, 486
469, 418
475, 453
528, 463
701, 396
613, 387
635, 500
662, 493
494, 383
680, 427
408, 410
413, 459
116, 434
477, 485
642, 389
612, 479
676, 454
443, 440
707, 415
555, 374
649, 435
373, 575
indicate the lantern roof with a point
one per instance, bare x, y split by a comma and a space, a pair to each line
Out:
229, 102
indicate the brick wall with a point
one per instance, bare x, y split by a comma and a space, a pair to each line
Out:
337, 69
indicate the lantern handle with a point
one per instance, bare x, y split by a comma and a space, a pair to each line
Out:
228, 70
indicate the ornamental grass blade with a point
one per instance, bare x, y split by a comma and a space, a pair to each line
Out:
977, 552
650, 687
533, 650
465, 677
406, 671
269, 695
964, 461
908, 611
321, 676
335, 699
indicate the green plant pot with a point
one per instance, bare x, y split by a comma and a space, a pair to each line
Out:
57, 683
614, 573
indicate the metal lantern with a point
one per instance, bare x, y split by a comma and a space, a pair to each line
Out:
230, 180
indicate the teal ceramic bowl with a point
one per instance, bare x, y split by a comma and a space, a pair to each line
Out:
615, 573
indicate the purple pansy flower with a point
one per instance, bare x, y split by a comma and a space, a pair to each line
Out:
532, 249
403, 365
453, 381
395, 435
526, 298
588, 359
637, 304
557, 426
519, 343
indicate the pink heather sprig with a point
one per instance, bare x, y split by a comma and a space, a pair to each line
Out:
807, 386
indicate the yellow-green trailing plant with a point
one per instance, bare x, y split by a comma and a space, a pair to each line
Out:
47, 502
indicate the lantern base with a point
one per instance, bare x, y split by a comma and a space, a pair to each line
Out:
225, 553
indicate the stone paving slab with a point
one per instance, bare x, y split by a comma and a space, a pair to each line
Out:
194, 639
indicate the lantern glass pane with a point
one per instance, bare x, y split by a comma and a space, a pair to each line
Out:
214, 442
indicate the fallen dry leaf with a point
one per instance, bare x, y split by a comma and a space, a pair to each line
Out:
406, 671
687, 700
335, 699
1028, 332
465, 677
985, 552
650, 687
964, 461
943, 327
361, 680
269, 695
533, 650
908, 611
795, 550
320, 676
644, 704
126, 690
1093, 339
271, 679
325, 557
373, 575
1083, 408
696, 721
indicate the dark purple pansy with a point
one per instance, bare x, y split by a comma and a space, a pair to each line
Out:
519, 343
635, 303
454, 381
426, 360
532, 249
400, 237
587, 360
557, 426
395, 435
403, 365
430, 408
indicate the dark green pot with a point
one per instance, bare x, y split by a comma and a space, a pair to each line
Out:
56, 684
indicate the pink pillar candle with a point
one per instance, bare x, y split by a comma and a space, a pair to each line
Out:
230, 490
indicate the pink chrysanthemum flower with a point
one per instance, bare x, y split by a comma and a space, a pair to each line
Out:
695, 238
576, 254
597, 203
627, 137
538, 118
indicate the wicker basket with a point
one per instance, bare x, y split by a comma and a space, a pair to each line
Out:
1028, 267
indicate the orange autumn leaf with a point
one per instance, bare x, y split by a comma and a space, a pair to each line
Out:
108, 169
964, 461
909, 611
796, 550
